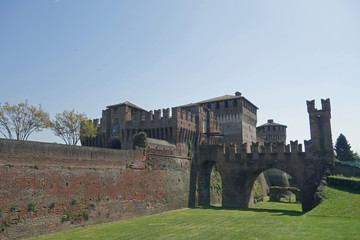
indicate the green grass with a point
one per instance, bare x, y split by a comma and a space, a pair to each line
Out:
337, 217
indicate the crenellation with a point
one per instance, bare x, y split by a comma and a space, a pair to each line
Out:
96, 122
308, 145
157, 115
311, 106
254, 147
268, 147
243, 147
279, 147
232, 149
166, 113
149, 116
294, 146
325, 104
262, 149
287, 148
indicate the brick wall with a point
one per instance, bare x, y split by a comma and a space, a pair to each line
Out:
47, 188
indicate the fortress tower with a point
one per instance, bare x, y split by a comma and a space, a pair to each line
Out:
236, 114
271, 132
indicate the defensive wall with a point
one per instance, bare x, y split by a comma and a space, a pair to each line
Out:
46, 187
346, 170
120, 123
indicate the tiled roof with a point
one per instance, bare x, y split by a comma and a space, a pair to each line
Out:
126, 103
272, 124
221, 98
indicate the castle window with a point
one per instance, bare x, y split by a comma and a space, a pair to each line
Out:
235, 103
226, 104
217, 105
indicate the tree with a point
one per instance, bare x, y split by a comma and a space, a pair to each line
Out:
343, 149
70, 126
20, 121
356, 157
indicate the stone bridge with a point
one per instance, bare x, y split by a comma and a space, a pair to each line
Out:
239, 168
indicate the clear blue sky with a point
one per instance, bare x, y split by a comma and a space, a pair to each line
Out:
87, 54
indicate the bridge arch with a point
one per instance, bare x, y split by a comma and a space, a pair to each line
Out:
250, 181
209, 183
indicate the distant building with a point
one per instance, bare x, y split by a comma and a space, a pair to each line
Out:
271, 132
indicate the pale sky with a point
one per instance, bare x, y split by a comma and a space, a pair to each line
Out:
87, 54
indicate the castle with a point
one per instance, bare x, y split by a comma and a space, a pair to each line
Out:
226, 119
73, 186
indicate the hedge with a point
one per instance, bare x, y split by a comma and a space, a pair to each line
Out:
340, 180
277, 192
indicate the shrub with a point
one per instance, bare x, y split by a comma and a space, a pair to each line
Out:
52, 205
13, 208
277, 192
140, 140
340, 180
92, 205
31, 207
64, 218
258, 196
85, 215
73, 202
35, 166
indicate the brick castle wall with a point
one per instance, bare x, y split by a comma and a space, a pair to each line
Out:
46, 188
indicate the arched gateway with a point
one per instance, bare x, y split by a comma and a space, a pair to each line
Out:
239, 168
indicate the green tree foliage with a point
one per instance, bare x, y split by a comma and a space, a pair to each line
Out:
20, 121
343, 149
72, 126
356, 157
140, 140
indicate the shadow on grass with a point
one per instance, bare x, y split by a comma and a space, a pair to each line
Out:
277, 212
345, 189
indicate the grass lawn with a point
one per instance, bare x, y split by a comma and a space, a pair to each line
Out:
337, 217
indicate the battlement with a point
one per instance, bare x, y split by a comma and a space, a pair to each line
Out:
325, 104
268, 147
164, 114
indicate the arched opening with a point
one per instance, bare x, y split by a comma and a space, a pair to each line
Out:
115, 144
209, 185
215, 187
281, 189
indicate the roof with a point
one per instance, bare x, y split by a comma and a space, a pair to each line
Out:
126, 103
221, 98
271, 123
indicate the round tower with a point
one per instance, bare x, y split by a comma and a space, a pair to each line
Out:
271, 132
